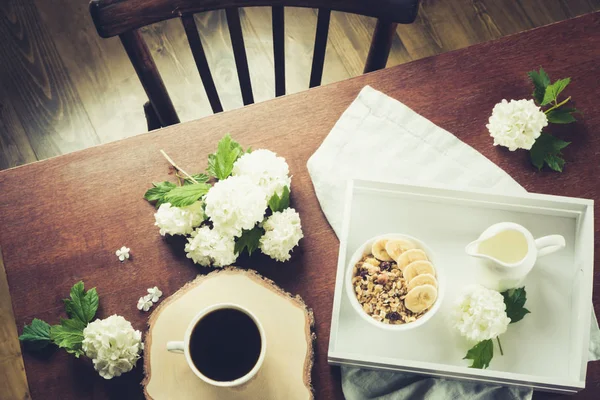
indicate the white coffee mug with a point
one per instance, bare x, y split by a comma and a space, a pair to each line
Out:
184, 346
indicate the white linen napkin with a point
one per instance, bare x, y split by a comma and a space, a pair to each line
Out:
379, 137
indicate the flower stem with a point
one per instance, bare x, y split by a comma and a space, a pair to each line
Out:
176, 167
557, 105
499, 345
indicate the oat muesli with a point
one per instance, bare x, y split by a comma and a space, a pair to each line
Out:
382, 287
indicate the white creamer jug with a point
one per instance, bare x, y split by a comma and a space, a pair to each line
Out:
506, 252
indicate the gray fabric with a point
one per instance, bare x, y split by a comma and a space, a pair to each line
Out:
361, 384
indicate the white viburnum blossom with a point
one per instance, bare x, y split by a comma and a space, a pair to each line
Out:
265, 169
144, 303
154, 294
178, 220
208, 247
113, 345
283, 231
516, 124
480, 314
234, 204
123, 253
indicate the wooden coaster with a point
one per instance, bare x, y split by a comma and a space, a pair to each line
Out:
287, 321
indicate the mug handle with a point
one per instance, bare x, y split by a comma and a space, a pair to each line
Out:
175, 347
549, 244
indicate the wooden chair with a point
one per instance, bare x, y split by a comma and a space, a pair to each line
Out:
125, 17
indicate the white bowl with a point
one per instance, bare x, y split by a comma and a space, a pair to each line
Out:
364, 250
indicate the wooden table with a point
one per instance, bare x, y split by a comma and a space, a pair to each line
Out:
62, 219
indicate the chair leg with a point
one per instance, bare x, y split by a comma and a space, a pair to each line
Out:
151, 117
380, 45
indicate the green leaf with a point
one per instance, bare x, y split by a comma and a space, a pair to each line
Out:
515, 304
562, 115
220, 164
200, 178
552, 91
481, 354
82, 305
186, 195
37, 335
540, 80
158, 191
249, 240
555, 162
68, 335
277, 203
547, 149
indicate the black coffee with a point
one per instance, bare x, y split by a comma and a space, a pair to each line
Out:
225, 345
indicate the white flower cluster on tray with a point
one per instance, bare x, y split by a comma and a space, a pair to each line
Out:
247, 208
113, 345
482, 315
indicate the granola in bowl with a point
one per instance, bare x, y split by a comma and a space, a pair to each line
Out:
393, 281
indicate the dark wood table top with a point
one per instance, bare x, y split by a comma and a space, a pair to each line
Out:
62, 219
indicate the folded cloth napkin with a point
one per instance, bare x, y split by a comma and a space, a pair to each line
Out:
379, 137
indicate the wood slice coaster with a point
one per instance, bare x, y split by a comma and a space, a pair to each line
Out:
287, 321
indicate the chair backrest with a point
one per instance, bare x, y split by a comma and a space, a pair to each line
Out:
125, 17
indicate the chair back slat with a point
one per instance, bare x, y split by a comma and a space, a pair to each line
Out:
144, 66
239, 53
380, 45
322, 32
278, 17
191, 31
125, 17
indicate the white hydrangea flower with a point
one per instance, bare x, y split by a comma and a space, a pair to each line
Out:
480, 314
144, 303
154, 294
178, 220
265, 169
209, 247
283, 231
234, 204
123, 253
516, 124
113, 345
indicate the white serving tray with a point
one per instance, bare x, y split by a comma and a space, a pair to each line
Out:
547, 350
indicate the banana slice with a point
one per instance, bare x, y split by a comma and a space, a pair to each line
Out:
420, 280
420, 298
409, 256
395, 247
378, 250
418, 268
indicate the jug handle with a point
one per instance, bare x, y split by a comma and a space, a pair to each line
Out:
549, 244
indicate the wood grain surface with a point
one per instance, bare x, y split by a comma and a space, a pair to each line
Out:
104, 84
67, 216
39, 87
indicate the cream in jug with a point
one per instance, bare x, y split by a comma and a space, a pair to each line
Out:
506, 252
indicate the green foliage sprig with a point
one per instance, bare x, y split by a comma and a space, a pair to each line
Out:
81, 309
547, 149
